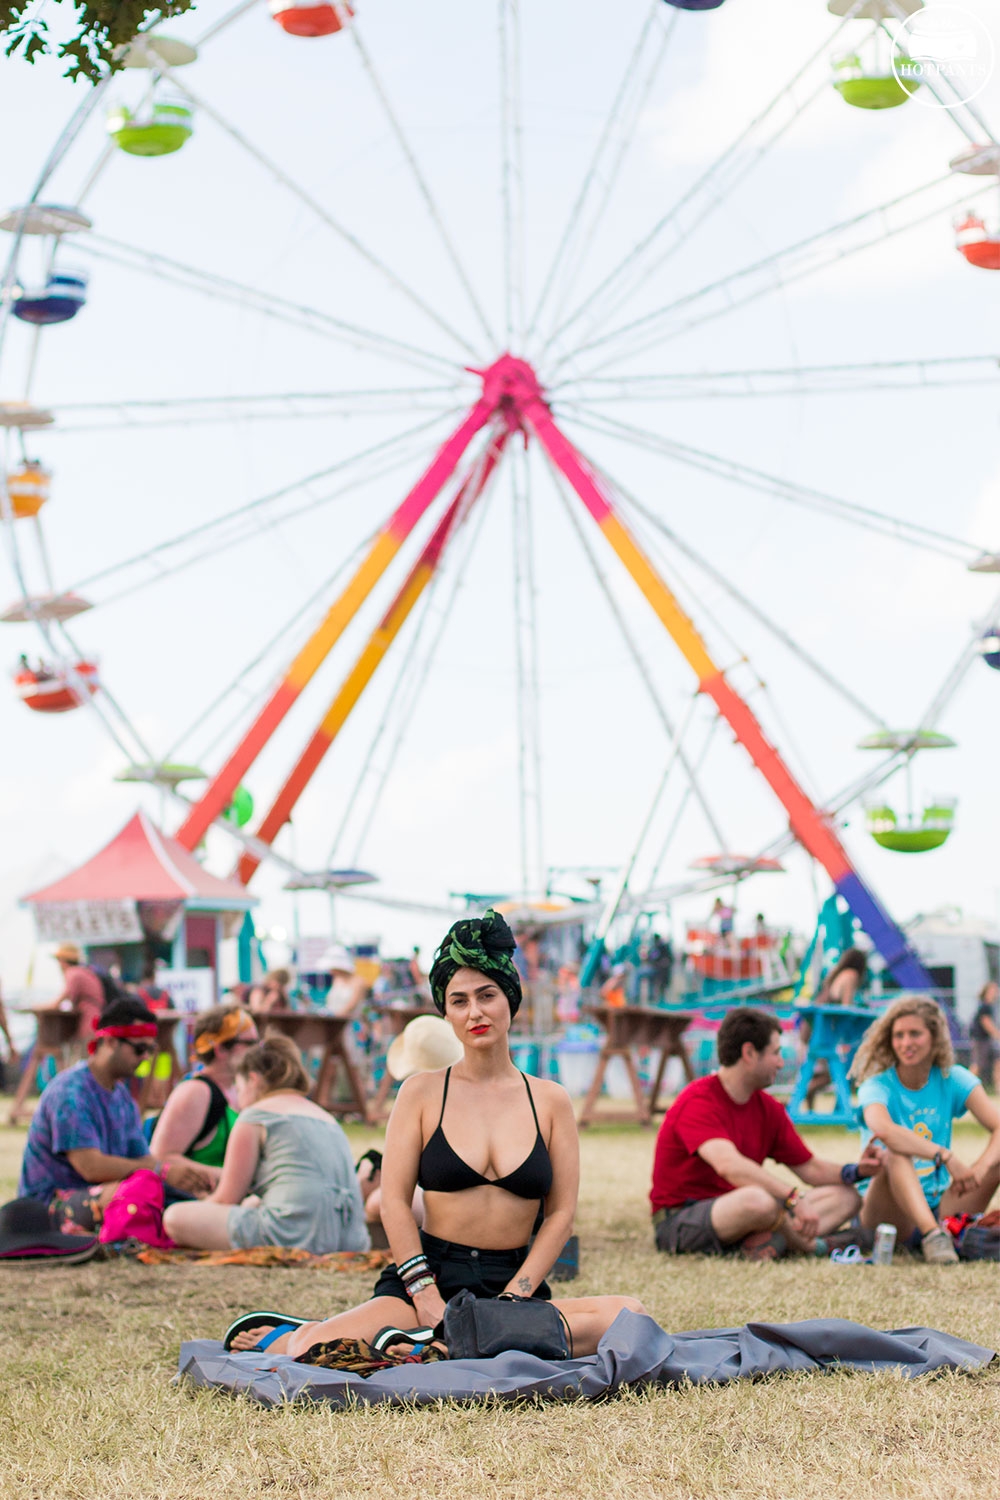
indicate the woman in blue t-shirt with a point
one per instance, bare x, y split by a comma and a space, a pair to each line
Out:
910, 1091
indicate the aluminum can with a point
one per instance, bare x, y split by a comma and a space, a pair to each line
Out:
885, 1243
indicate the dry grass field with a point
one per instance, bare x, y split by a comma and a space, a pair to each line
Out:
88, 1410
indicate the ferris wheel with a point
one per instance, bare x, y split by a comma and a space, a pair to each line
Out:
497, 360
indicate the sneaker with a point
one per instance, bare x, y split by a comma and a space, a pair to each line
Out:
938, 1248
764, 1244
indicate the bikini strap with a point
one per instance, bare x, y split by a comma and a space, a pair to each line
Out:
444, 1097
531, 1101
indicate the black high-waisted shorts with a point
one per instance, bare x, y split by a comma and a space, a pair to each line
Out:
485, 1273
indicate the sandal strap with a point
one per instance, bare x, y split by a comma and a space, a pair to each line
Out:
389, 1335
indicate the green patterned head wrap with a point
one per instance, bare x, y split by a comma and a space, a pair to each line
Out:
483, 943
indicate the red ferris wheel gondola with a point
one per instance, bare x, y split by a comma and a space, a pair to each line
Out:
311, 17
57, 689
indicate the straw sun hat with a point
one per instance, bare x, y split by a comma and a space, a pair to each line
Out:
425, 1044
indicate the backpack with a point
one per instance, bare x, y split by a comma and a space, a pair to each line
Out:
109, 984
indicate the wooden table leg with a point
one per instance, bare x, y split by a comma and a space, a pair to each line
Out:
333, 1055
641, 1102
654, 1093
376, 1109
593, 1093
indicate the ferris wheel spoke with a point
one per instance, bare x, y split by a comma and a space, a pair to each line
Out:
526, 664
632, 645
324, 216
260, 526
896, 527
208, 283
754, 610
794, 380
715, 183
512, 169
281, 634
774, 272
970, 654
200, 410
694, 781
224, 22
422, 185
253, 509
574, 243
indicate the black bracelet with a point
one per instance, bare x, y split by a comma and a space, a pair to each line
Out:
849, 1173
414, 1260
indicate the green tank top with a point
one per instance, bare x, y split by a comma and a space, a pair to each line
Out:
221, 1112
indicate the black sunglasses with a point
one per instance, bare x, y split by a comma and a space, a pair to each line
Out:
141, 1049
238, 1041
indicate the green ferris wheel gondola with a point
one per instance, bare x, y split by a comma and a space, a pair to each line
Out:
867, 89
910, 837
164, 130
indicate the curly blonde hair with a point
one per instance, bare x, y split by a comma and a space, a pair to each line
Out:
875, 1055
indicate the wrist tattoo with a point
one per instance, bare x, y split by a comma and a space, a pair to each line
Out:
524, 1285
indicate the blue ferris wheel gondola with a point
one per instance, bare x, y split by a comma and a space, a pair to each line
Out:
989, 648
61, 299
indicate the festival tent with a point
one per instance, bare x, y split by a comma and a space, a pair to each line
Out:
142, 891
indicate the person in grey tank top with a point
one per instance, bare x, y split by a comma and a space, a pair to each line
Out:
288, 1178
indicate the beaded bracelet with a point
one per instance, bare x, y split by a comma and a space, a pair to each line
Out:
420, 1285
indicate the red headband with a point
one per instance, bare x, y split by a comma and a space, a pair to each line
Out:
129, 1033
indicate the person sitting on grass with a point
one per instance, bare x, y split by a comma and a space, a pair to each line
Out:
493, 1154
198, 1117
86, 1134
711, 1193
910, 1091
292, 1160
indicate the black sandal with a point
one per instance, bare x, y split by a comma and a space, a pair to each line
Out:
276, 1322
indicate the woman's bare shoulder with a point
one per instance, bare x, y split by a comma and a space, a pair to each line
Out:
552, 1095
422, 1086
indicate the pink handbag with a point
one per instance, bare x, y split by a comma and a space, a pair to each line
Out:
136, 1212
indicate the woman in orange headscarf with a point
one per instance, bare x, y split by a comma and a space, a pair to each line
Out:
200, 1113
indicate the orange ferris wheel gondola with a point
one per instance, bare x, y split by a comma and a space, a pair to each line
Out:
58, 689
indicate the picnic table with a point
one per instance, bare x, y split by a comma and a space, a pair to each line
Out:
626, 1028
322, 1029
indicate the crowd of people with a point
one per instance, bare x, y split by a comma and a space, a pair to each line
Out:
477, 1185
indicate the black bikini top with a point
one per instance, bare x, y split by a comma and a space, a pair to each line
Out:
442, 1170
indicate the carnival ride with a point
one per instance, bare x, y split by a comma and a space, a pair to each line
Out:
552, 368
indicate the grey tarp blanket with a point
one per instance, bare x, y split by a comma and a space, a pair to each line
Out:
634, 1351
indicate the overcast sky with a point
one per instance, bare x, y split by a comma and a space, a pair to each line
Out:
886, 618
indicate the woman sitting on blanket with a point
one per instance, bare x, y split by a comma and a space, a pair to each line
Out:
497, 1158
290, 1156
910, 1091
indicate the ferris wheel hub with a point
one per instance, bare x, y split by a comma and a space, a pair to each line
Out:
511, 386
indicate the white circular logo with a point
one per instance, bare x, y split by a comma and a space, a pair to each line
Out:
947, 50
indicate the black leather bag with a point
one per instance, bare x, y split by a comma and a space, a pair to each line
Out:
480, 1327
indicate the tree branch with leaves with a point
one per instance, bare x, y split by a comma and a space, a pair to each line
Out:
102, 28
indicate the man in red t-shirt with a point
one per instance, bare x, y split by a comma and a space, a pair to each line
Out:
711, 1192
